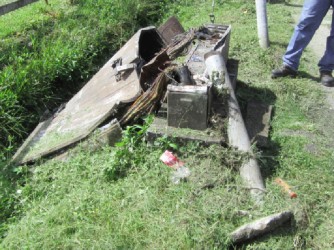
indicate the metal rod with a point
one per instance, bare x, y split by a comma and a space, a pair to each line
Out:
262, 23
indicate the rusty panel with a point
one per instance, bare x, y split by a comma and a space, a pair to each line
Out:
88, 108
170, 29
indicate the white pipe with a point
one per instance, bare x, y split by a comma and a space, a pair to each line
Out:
262, 23
237, 132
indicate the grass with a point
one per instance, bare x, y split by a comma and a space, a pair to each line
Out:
141, 210
122, 197
3, 2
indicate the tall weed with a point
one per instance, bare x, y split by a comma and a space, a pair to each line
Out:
129, 151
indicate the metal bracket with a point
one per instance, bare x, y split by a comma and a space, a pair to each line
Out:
125, 67
117, 65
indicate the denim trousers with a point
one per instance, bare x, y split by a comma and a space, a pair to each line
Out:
312, 15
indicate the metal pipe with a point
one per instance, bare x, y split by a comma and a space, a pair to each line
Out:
237, 132
262, 23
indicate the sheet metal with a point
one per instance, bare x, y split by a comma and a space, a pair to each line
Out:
90, 107
170, 29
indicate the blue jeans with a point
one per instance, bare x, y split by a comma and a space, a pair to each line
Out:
312, 15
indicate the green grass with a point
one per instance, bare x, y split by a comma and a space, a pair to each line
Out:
3, 2
122, 197
142, 210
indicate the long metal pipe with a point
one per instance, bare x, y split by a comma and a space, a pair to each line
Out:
237, 132
262, 23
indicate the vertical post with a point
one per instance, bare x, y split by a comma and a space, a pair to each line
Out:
262, 23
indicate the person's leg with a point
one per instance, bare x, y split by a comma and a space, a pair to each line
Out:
326, 64
312, 15
327, 61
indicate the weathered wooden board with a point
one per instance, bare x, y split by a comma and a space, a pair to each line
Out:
14, 6
92, 105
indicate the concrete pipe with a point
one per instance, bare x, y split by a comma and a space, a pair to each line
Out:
237, 133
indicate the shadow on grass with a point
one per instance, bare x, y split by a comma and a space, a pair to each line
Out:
276, 1
294, 5
279, 44
285, 3
303, 74
264, 97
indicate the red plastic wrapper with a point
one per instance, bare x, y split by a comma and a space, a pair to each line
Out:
171, 160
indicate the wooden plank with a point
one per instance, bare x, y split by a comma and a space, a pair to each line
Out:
14, 6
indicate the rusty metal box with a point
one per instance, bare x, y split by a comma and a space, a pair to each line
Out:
188, 107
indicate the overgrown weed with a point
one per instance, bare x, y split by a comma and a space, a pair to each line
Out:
129, 151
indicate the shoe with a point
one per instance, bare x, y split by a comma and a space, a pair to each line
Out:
326, 78
283, 72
